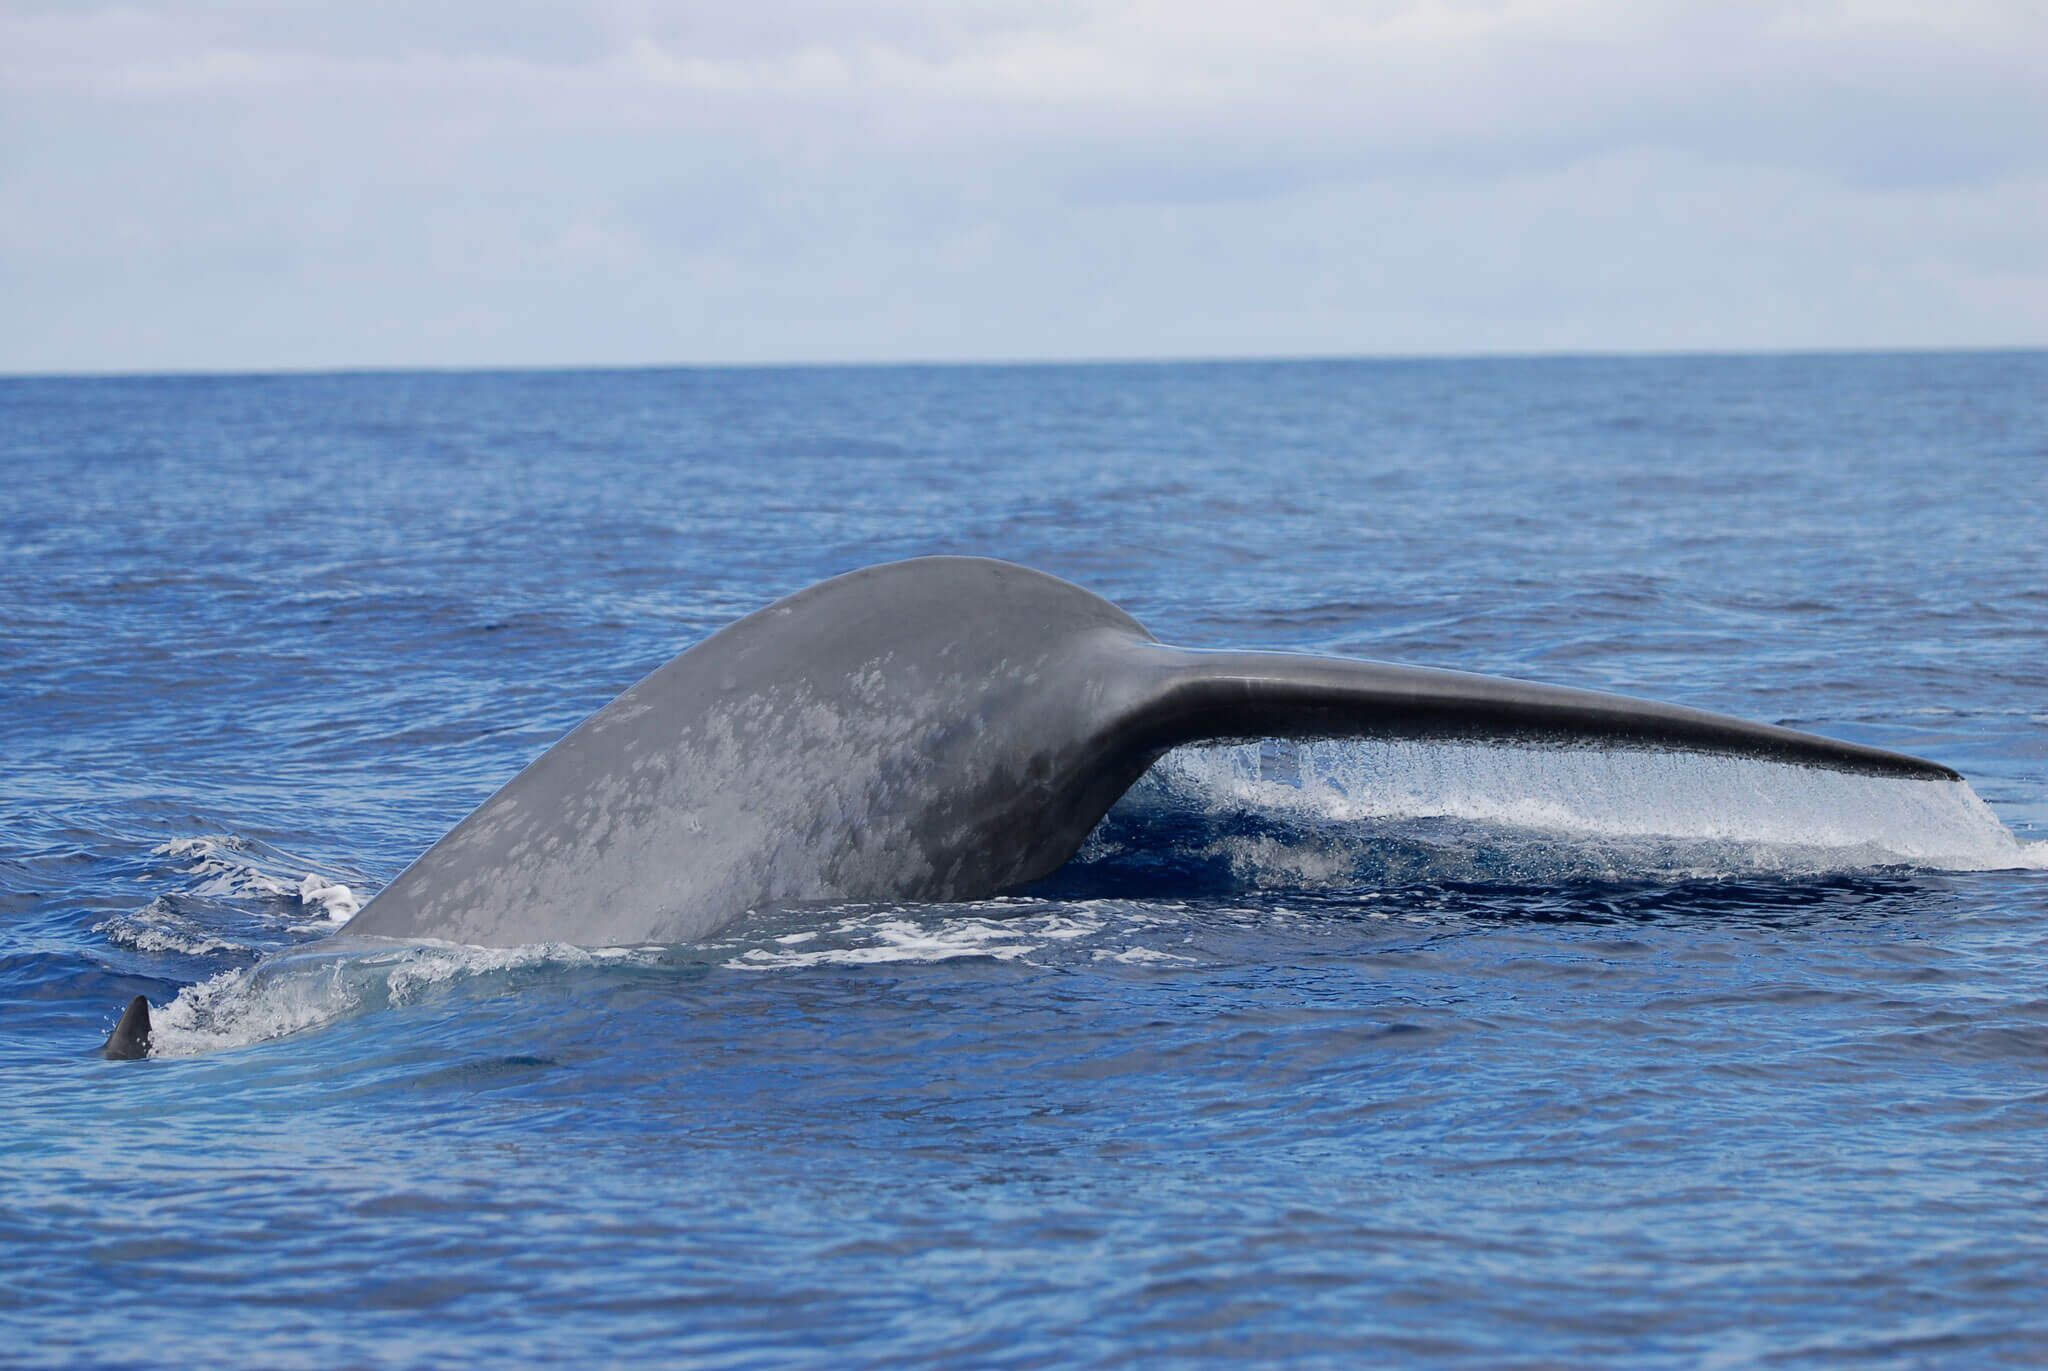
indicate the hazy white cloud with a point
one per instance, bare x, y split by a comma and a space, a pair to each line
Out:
210, 185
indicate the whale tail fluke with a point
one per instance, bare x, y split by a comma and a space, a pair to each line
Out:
1203, 696
130, 1038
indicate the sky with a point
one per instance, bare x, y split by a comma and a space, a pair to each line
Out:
241, 186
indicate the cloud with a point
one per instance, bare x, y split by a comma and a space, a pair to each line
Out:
245, 185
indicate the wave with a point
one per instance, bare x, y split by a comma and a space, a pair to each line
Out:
344, 977
341, 978
230, 895
234, 868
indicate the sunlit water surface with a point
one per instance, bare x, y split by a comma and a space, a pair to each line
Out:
1321, 1054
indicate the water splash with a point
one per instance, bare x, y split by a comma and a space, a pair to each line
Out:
1340, 813
344, 977
340, 978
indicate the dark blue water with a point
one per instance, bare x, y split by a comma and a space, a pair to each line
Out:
1318, 1055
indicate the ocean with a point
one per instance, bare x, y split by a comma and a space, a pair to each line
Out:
1320, 1054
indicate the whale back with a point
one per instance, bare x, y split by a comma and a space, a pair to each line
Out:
900, 732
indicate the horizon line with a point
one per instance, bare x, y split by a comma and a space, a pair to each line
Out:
1012, 363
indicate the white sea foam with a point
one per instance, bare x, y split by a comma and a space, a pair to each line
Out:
337, 903
870, 940
1141, 956
1009, 930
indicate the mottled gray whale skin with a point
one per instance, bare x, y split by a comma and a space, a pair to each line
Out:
940, 729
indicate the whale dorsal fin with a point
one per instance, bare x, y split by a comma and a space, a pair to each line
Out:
130, 1038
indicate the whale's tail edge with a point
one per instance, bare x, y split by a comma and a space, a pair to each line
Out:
1215, 696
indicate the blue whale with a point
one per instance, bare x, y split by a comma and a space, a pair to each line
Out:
947, 728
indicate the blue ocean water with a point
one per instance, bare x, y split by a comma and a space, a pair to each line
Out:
1321, 1055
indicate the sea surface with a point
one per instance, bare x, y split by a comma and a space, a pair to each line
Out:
1318, 1054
